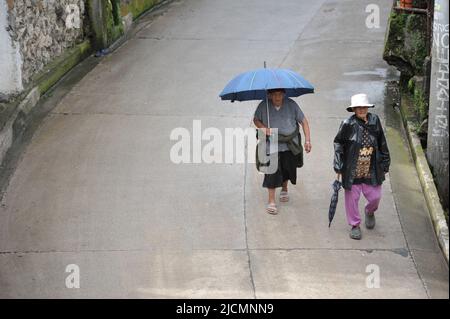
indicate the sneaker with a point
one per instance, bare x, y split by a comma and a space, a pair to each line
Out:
355, 233
370, 220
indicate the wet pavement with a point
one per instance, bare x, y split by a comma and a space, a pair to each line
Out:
96, 187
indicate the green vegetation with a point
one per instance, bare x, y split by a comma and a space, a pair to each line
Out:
395, 38
60, 66
405, 45
406, 49
415, 42
420, 104
418, 99
114, 24
137, 7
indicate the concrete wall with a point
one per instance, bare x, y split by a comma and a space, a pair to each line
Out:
10, 58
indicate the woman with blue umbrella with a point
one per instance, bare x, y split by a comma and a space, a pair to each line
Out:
276, 111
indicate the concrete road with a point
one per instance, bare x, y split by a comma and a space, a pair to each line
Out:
96, 187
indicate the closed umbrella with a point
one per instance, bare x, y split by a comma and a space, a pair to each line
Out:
336, 186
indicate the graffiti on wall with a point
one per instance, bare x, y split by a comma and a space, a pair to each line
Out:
440, 119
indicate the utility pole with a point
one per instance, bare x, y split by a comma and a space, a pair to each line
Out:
438, 135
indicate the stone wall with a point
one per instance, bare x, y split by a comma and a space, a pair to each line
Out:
44, 29
34, 33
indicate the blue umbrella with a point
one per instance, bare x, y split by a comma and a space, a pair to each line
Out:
253, 85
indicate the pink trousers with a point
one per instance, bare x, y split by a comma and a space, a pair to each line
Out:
371, 193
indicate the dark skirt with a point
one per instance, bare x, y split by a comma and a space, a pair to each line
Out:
287, 170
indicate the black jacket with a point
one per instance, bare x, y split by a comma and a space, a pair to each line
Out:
347, 144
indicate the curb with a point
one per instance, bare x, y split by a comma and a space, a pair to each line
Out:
39, 85
429, 188
7, 135
63, 64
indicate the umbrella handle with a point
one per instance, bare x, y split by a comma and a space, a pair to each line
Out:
267, 104
267, 108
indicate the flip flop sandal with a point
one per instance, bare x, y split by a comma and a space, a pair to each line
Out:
284, 197
272, 209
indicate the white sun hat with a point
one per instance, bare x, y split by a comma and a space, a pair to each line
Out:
359, 100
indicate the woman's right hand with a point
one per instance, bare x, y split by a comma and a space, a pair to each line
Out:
339, 176
268, 131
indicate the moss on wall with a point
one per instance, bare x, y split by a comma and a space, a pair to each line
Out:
420, 104
98, 23
415, 41
136, 7
405, 45
406, 49
60, 66
418, 98
106, 18
114, 26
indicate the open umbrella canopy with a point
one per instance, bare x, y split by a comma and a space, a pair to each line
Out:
253, 85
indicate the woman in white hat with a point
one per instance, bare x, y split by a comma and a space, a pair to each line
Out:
361, 159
